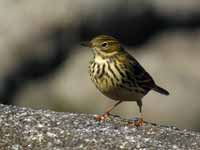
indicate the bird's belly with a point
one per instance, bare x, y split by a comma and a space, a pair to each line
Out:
107, 88
123, 94
110, 82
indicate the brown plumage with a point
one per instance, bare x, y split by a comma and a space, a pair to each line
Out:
117, 74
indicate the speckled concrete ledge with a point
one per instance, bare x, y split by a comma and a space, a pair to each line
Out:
28, 129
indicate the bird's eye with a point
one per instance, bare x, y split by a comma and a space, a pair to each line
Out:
104, 44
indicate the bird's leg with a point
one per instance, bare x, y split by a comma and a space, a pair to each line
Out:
139, 121
107, 113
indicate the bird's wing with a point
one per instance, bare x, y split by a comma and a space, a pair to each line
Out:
142, 78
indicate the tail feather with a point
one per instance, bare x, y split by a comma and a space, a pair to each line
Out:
160, 90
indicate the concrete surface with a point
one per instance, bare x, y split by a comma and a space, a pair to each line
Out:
28, 129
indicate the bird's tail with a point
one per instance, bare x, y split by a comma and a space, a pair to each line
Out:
160, 90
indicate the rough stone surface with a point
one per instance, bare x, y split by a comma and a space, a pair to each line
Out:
27, 129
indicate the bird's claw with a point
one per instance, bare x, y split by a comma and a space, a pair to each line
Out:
138, 122
103, 117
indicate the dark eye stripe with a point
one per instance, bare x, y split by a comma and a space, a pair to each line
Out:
104, 44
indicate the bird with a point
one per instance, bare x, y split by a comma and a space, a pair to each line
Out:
118, 75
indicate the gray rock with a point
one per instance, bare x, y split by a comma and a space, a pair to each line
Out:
25, 128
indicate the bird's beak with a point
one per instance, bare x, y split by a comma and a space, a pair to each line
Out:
86, 44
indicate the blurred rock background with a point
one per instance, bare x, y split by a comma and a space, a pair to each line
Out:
42, 64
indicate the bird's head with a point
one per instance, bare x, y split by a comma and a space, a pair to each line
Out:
104, 45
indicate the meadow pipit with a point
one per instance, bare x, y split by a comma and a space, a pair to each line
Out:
118, 75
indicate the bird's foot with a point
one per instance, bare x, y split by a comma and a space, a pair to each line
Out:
103, 117
136, 122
